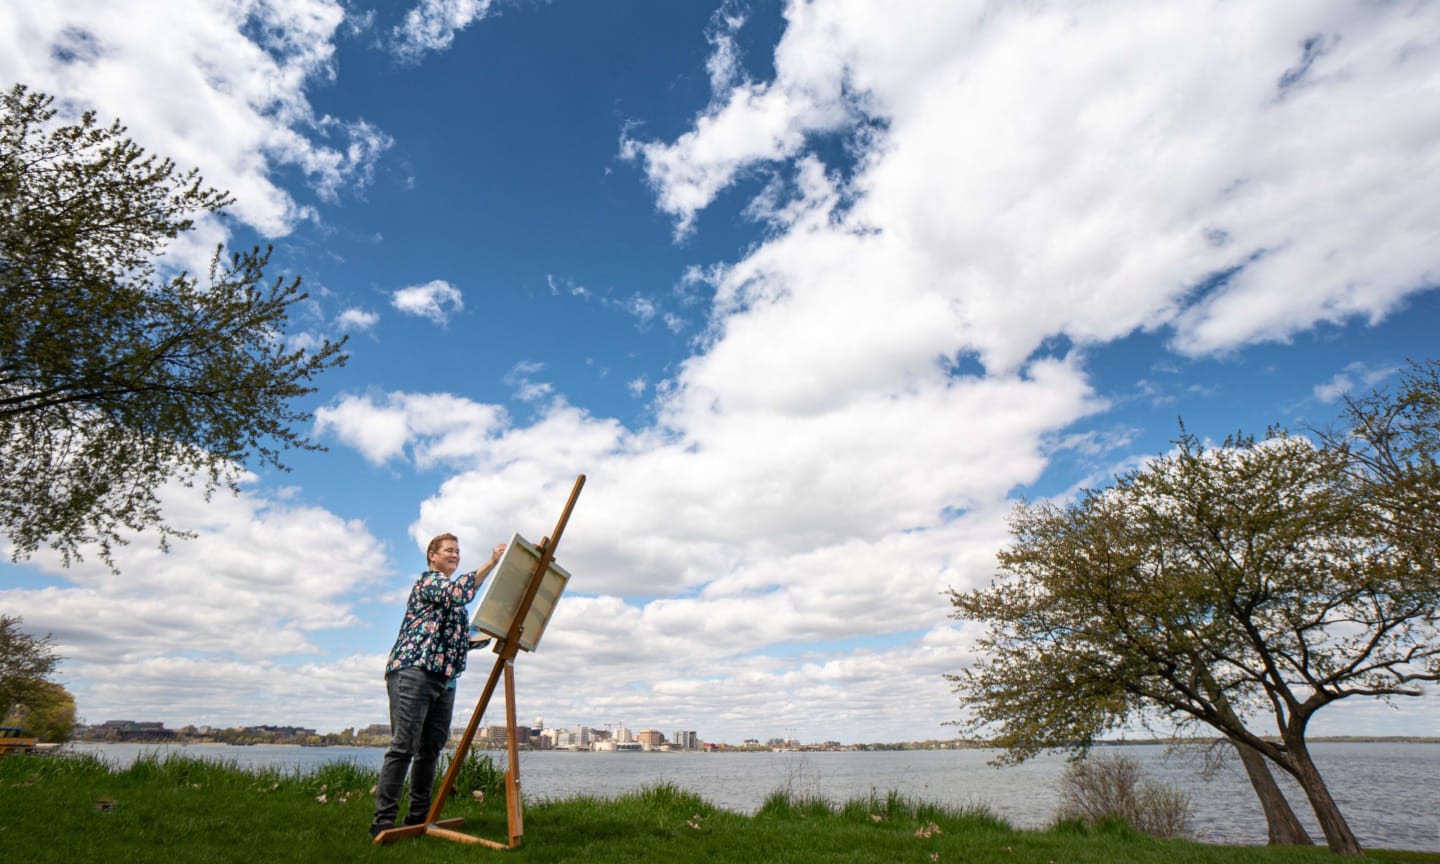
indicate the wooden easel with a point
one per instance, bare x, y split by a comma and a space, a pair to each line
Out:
505, 652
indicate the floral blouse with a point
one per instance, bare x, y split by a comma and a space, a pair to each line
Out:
434, 634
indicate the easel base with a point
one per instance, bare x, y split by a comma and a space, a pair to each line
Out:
444, 829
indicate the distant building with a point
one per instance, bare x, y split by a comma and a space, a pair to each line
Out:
278, 732
685, 740
130, 730
576, 738
494, 736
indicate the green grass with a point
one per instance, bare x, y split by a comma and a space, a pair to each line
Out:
76, 809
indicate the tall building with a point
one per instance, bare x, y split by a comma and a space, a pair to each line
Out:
494, 736
685, 740
575, 738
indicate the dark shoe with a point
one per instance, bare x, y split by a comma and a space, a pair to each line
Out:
375, 829
415, 820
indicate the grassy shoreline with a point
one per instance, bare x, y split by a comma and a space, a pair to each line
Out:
175, 808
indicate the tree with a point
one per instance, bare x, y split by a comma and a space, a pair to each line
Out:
49, 714
1256, 582
113, 380
25, 662
1392, 440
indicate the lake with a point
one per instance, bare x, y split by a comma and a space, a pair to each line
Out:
1389, 791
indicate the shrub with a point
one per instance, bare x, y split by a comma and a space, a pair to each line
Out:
1114, 788
477, 773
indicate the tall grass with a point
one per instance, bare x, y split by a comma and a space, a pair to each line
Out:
78, 809
479, 777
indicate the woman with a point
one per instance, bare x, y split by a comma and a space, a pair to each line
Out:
427, 659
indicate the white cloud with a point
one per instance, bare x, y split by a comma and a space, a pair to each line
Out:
253, 691
357, 319
432, 428
432, 25
1355, 379
213, 624
526, 389
641, 308
724, 63
436, 300
567, 286
224, 86
722, 493
1088, 171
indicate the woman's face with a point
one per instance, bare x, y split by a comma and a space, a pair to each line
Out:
446, 559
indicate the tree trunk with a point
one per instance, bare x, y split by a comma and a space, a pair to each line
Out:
1281, 824
1338, 835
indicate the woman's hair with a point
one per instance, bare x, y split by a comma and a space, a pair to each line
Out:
435, 544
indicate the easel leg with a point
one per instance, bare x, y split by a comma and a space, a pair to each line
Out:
513, 806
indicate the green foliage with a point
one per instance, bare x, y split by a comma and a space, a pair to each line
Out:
25, 663
114, 381
478, 773
48, 713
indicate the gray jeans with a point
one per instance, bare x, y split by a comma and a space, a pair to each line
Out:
420, 709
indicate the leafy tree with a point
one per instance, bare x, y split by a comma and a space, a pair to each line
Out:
1255, 583
114, 380
49, 714
1392, 440
25, 662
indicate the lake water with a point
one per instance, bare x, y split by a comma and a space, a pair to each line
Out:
1389, 792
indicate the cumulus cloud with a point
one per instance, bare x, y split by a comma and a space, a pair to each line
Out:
357, 319
436, 300
711, 498
1230, 173
427, 429
259, 581
238, 116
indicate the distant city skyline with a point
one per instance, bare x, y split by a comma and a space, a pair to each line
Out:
684, 738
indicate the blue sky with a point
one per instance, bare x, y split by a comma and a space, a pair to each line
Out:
812, 293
